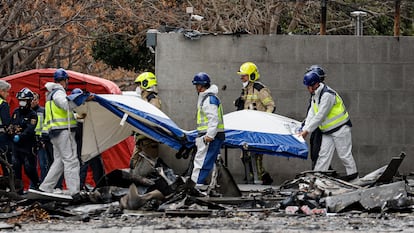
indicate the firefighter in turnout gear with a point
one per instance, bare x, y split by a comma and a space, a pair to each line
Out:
328, 113
147, 83
22, 132
210, 128
254, 96
60, 124
147, 87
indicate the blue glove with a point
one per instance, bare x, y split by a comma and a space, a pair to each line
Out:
16, 138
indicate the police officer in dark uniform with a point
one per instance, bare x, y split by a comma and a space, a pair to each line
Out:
22, 131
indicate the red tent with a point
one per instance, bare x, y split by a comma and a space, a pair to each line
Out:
116, 157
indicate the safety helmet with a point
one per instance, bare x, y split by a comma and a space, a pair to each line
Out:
311, 78
25, 94
74, 94
318, 70
201, 79
147, 80
60, 74
250, 69
76, 91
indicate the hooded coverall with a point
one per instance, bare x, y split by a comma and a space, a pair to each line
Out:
209, 123
60, 123
328, 112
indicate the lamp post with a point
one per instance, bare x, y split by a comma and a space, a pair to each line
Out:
358, 15
189, 10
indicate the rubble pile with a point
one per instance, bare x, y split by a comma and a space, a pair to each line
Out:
312, 194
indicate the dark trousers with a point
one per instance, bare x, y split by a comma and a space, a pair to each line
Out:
98, 171
315, 142
6, 152
28, 161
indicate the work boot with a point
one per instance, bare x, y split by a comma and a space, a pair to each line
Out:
195, 192
191, 189
349, 177
214, 193
267, 179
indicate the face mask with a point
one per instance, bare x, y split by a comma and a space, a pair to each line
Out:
245, 84
22, 103
138, 91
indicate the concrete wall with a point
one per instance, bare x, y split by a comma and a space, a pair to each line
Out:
374, 76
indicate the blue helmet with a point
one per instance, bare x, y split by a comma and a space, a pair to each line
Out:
318, 70
76, 91
60, 74
201, 79
311, 78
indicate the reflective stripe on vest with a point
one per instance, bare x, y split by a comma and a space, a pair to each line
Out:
57, 118
336, 117
39, 125
202, 121
252, 97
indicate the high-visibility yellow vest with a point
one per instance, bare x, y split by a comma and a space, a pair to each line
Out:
39, 125
338, 115
57, 118
202, 121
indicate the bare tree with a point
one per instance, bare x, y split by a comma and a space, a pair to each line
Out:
52, 33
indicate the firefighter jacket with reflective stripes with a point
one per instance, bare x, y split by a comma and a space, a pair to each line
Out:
257, 96
210, 113
58, 111
327, 111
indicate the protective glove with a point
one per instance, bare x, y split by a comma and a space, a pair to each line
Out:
16, 138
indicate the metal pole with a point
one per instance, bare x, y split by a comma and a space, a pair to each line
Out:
358, 21
358, 26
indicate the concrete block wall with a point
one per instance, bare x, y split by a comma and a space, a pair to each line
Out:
374, 76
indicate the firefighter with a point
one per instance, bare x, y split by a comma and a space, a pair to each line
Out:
254, 96
22, 131
60, 124
147, 84
329, 114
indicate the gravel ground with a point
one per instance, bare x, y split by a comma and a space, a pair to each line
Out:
239, 222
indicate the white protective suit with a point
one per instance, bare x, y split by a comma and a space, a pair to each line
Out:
65, 157
341, 139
